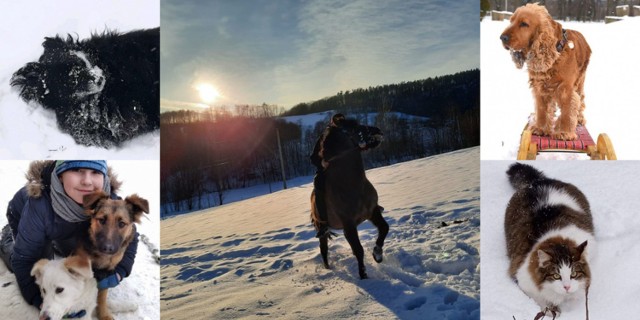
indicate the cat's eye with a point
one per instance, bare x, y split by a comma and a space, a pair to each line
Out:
556, 276
574, 274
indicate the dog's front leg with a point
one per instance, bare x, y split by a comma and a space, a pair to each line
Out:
544, 114
569, 102
103, 309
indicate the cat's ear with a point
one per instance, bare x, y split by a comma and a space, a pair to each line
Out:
543, 257
580, 248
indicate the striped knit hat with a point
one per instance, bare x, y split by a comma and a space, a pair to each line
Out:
64, 165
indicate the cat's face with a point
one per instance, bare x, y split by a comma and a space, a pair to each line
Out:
563, 269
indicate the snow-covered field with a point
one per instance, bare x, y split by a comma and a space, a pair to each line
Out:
259, 258
142, 287
611, 89
27, 131
612, 189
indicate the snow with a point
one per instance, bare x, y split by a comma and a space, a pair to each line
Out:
612, 193
142, 287
259, 257
27, 130
611, 93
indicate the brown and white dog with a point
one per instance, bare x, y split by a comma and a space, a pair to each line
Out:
110, 233
67, 286
557, 62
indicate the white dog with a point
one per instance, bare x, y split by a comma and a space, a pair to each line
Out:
67, 286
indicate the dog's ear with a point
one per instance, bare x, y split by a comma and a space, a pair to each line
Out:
90, 201
138, 205
36, 271
53, 43
543, 52
79, 267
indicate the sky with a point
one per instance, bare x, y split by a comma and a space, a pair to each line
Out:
288, 52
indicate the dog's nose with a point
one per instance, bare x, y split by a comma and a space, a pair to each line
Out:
107, 248
504, 38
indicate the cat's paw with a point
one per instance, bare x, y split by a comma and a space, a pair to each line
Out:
552, 312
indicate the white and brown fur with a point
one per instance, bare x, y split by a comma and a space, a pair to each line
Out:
550, 237
110, 233
67, 286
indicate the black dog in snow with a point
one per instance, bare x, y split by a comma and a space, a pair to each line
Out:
104, 90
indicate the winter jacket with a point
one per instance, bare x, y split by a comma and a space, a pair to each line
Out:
36, 227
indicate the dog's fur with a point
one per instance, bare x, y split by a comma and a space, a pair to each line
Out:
66, 286
557, 61
104, 90
110, 232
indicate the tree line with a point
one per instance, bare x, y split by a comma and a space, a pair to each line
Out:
212, 151
578, 10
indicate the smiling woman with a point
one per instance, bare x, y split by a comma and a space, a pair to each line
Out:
208, 93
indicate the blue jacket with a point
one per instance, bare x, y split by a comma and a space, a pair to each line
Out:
36, 227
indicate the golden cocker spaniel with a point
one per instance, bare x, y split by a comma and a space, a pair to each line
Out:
557, 61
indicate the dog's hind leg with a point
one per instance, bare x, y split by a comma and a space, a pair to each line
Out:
103, 308
351, 233
383, 230
569, 102
580, 90
324, 248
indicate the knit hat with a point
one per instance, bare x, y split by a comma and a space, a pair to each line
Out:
64, 165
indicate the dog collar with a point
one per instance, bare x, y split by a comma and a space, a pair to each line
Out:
75, 315
563, 41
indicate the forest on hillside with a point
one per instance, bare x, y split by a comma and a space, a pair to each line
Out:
215, 150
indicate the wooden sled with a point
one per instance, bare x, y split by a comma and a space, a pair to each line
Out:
531, 145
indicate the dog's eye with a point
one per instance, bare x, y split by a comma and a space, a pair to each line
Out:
44, 291
59, 290
121, 224
102, 220
524, 24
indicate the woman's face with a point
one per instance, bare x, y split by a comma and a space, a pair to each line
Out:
79, 182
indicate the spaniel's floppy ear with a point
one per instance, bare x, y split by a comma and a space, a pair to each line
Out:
543, 52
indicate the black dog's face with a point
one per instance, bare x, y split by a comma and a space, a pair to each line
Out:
62, 74
367, 137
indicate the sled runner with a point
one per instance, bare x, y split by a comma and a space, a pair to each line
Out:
531, 144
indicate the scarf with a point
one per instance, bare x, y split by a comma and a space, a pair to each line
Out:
64, 206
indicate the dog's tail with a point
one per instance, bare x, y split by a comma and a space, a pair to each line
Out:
523, 175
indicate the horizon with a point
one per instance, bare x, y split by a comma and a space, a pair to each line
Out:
228, 107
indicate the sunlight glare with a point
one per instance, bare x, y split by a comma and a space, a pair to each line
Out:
208, 93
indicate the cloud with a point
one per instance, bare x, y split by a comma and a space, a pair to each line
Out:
172, 105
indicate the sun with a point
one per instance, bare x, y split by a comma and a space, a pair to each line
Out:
208, 93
